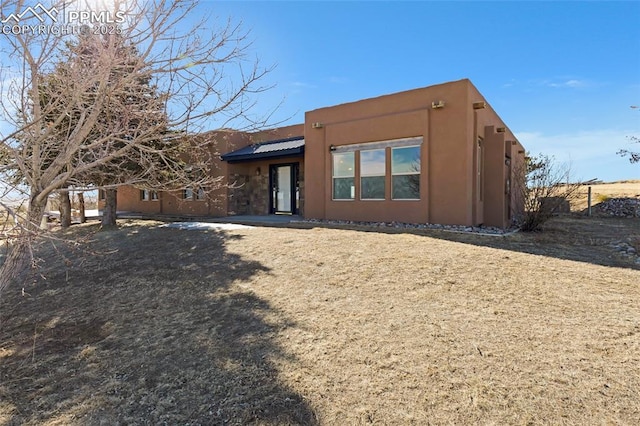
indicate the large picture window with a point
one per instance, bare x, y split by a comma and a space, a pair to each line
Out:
343, 176
405, 173
372, 174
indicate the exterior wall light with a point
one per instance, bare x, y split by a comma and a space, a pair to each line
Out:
501, 129
332, 147
437, 104
479, 105
317, 125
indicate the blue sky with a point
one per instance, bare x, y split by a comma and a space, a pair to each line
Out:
562, 75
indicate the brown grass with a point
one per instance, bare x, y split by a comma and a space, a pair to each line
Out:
329, 326
602, 192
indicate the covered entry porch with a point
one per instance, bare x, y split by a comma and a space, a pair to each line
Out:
267, 178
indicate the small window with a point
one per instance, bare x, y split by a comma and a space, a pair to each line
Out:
187, 194
200, 194
480, 167
405, 173
102, 194
344, 176
148, 195
372, 174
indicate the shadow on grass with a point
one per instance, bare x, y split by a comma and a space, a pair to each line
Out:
154, 332
571, 237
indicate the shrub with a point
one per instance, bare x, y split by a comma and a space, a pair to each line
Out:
545, 188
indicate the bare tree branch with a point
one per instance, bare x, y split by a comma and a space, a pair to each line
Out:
99, 109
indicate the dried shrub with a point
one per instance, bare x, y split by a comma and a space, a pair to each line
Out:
546, 189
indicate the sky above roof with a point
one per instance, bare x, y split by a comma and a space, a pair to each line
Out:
562, 75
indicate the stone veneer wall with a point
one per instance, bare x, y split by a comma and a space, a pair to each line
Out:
249, 195
238, 195
258, 193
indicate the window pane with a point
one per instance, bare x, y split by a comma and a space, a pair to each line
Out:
343, 164
406, 187
405, 160
372, 162
187, 194
343, 189
200, 195
372, 188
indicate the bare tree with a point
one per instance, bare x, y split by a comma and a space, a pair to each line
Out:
59, 135
634, 156
545, 187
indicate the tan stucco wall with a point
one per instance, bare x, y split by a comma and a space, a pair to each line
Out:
460, 182
171, 202
498, 206
277, 133
450, 186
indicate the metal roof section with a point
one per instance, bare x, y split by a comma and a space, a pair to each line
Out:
273, 149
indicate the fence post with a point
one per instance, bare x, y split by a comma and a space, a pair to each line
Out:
589, 201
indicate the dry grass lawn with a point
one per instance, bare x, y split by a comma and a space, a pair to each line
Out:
599, 192
154, 325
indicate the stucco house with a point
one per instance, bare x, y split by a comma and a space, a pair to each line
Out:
438, 154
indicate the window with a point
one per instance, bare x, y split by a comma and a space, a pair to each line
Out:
343, 176
187, 194
372, 174
146, 195
200, 194
405, 173
102, 194
480, 166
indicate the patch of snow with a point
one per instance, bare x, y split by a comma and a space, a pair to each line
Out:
199, 226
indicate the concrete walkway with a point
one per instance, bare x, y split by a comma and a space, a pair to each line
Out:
273, 219
253, 220
268, 220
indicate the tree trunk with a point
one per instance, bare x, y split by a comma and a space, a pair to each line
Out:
83, 216
19, 253
110, 206
65, 209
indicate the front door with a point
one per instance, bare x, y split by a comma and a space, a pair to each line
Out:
284, 185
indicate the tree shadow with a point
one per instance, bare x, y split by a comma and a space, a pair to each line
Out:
152, 329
